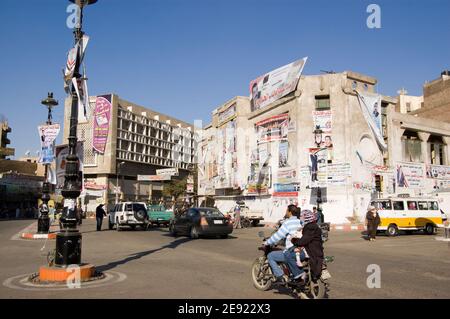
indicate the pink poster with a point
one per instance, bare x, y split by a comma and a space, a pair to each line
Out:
102, 116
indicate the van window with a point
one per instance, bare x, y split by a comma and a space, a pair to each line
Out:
434, 206
412, 205
129, 208
423, 205
398, 205
383, 205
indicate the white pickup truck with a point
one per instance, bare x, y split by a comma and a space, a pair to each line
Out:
250, 216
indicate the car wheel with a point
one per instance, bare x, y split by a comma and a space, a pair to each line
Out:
429, 229
140, 215
194, 232
255, 223
224, 236
392, 230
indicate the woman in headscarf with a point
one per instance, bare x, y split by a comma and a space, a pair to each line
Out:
372, 222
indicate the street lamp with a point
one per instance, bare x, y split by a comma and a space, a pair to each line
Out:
43, 220
68, 240
117, 181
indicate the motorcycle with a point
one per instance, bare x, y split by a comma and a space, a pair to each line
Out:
263, 276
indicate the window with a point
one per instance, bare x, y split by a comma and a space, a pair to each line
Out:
412, 205
383, 205
434, 206
323, 102
398, 205
211, 213
436, 149
408, 107
423, 205
191, 213
411, 147
129, 208
354, 85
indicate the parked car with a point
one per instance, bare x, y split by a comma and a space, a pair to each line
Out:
201, 221
252, 215
159, 215
129, 214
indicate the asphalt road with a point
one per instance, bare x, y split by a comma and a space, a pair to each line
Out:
155, 265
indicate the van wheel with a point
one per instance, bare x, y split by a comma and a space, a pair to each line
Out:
429, 229
392, 230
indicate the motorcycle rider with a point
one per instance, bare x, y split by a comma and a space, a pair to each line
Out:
287, 229
312, 242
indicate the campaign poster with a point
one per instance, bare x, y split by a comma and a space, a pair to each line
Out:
102, 118
276, 84
274, 128
410, 175
371, 108
61, 154
283, 149
48, 134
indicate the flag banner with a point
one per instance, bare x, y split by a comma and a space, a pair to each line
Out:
276, 84
81, 89
48, 134
371, 108
51, 175
102, 116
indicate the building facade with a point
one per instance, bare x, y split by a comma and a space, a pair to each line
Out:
122, 140
319, 137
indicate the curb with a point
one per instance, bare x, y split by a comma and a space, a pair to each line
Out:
32, 236
339, 227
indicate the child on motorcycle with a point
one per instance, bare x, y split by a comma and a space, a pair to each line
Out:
311, 241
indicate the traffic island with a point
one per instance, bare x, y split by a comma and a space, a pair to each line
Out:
63, 275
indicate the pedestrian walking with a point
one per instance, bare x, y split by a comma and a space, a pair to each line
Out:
99, 214
237, 216
372, 222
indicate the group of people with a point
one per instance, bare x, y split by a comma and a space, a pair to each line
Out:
303, 238
19, 211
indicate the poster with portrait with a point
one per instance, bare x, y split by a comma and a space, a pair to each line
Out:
410, 175
276, 84
283, 149
61, 154
318, 158
323, 121
47, 135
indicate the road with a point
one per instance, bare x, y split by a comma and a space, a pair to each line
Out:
152, 264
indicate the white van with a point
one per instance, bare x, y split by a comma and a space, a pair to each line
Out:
408, 213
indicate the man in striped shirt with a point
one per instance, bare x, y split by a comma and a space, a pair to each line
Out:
287, 229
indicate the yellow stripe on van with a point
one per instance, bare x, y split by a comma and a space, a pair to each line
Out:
411, 221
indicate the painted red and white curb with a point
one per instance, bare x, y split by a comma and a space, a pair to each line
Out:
333, 227
30, 233
38, 236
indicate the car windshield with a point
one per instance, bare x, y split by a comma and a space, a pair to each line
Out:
210, 212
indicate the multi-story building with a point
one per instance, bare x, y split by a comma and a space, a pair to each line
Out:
319, 137
133, 140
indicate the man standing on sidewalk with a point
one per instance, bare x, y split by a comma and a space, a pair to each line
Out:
99, 214
237, 216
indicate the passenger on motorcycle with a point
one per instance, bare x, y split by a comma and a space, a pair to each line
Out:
287, 229
312, 242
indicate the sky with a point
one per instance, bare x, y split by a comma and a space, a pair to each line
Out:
186, 57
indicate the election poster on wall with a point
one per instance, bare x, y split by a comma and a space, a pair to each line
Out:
323, 120
371, 108
283, 149
62, 151
338, 174
227, 114
102, 118
276, 84
48, 134
274, 128
410, 175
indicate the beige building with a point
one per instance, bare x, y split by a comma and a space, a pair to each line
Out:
271, 157
140, 138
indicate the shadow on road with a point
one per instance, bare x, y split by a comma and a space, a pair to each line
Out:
139, 255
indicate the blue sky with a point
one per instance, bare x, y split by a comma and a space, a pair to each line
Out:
186, 57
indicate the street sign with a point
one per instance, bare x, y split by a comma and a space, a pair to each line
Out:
168, 171
154, 178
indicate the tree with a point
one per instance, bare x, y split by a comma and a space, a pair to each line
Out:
175, 188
